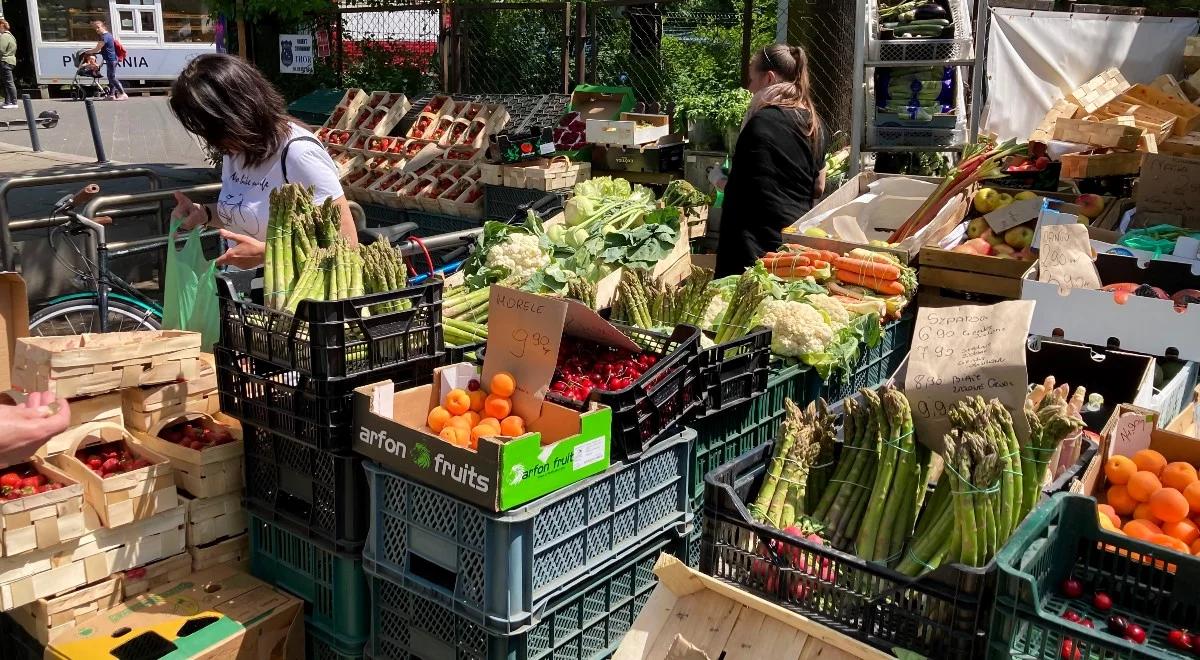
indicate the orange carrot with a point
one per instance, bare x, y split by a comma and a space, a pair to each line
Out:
886, 287
793, 272
818, 264
787, 260
872, 268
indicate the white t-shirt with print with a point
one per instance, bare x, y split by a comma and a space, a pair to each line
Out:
244, 204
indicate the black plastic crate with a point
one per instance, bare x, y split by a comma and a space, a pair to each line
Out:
16, 643
547, 113
468, 353
942, 614
338, 338
665, 397
319, 494
503, 203
318, 412
735, 372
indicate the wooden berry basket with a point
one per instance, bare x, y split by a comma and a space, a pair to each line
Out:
1097, 133
201, 472
121, 498
88, 364
102, 408
143, 407
235, 551
139, 580
212, 519
48, 619
43, 520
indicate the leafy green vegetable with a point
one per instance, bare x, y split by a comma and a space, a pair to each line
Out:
842, 352
641, 247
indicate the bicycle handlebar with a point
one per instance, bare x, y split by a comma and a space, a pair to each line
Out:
85, 195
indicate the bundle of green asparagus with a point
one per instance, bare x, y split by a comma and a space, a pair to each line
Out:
384, 270
844, 500
465, 315
1052, 418
329, 273
737, 320
643, 302
781, 500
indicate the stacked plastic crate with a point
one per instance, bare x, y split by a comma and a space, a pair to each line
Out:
290, 380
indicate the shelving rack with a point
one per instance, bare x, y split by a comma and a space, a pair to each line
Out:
965, 52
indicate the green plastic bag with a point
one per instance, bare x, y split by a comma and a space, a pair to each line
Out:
190, 296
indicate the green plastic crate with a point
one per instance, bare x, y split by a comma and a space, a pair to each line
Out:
320, 644
315, 107
331, 583
1151, 585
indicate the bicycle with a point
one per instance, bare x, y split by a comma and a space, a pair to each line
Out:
99, 309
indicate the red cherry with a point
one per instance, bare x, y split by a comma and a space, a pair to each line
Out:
1135, 634
1068, 651
1180, 639
1102, 601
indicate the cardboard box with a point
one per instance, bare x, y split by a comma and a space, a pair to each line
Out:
14, 322
90, 558
43, 520
120, 499
631, 130
141, 579
1168, 186
561, 447
88, 364
1142, 325
202, 473
246, 619
691, 616
1119, 376
49, 619
1129, 429
210, 519
234, 551
881, 202
601, 103
662, 155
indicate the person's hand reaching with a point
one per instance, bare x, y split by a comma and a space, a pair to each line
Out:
30, 425
191, 213
246, 252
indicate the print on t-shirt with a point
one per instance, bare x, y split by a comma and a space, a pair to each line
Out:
229, 211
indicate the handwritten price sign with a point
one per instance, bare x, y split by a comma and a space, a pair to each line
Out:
1065, 257
965, 351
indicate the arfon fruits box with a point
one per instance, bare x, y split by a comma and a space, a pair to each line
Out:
561, 445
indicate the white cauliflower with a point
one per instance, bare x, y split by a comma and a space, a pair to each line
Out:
838, 316
797, 328
713, 313
521, 254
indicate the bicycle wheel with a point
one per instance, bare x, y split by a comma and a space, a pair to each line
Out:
73, 317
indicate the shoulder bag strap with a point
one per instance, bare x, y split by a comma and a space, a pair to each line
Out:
283, 155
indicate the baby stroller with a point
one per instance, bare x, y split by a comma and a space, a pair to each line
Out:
88, 80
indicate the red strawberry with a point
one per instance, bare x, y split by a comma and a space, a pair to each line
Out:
34, 481
11, 480
110, 464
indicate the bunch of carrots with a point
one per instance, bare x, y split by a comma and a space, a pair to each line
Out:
799, 261
980, 161
871, 270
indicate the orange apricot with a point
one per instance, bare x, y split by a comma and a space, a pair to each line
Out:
472, 417
1118, 497
1184, 530
1149, 460
458, 402
1143, 512
1192, 494
437, 419
503, 384
1178, 475
1142, 485
1195, 547
1169, 505
477, 397
1107, 523
459, 422
456, 436
1119, 469
490, 420
1141, 529
483, 431
497, 406
1170, 542
512, 426
1107, 511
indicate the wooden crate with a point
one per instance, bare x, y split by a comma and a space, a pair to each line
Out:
103, 408
1097, 133
230, 551
1153, 120
47, 619
143, 407
1062, 109
139, 580
1169, 85
211, 519
971, 273
1099, 90
1184, 145
1188, 114
1191, 55
202, 473
92, 557
554, 174
1100, 163
121, 498
44, 520
89, 364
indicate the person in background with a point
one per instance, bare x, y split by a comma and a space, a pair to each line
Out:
8, 62
29, 425
230, 105
107, 49
778, 165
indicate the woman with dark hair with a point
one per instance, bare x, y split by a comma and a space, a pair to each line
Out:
778, 165
229, 105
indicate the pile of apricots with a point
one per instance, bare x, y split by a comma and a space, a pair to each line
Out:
1153, 500
467, 415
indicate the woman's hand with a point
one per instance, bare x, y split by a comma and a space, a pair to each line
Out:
247, 252
28, 426
717, 177
191, 213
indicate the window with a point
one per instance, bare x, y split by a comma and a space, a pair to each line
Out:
70, 20
186, 21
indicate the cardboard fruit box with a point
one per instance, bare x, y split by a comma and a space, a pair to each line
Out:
120, 499
49, 619
140, 579
218, 613
40, 520
561, 445
88, 364
208, 472
630, 130
90, 558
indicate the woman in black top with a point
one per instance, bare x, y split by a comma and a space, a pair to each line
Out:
778, 166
